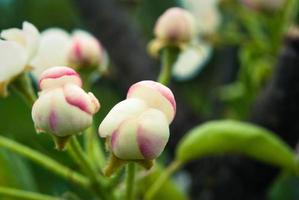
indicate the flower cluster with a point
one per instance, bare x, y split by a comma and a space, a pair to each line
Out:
80, 50
186, 28
194, 58
63, 107
138, 127
16, 52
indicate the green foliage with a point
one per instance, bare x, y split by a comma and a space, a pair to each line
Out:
15, 171
228, 136
285, 188
169, 190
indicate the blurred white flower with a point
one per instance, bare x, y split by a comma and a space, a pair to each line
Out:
195, 57
16, 51
175, 25
77, 50
192, 60
206, 13
52, 51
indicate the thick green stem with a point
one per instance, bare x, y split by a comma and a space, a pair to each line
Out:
20, 194
174, 166
130, 178
99, 186
80, 157
169, 56
45, 162
93, 148
23, 86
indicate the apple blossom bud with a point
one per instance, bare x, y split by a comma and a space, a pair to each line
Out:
135, 131
156, 96
57, 77
85, 51
175, 25
63, 107
64, 111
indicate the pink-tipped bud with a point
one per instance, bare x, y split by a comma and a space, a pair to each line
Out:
63, 108
64, 111
156, 96
57, 77
175, 25
135, 131
85, 51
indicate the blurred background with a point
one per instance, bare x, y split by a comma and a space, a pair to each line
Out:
247, 70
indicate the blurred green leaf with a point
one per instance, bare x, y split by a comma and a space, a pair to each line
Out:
169, 189
15, 172
285, 188
229, 136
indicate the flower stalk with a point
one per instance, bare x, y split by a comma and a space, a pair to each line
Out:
172, 168
169, 56
130, 178
24, 195
98, 185
45, 162
23, 86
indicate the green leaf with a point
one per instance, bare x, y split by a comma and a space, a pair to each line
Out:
169, 190
284, 188
15, 172
229, 136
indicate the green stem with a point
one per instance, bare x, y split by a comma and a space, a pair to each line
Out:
23, 86
20, 194
173, 167
99, 187
94, 148
79, 156
169, 56
45, 162
130, 178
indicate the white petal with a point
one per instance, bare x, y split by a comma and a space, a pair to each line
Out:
15, 35
207, 15
52, 51
124, 143
28, 37
32, 39
156, 96
12, 60
191, 61
124, 110
152, 134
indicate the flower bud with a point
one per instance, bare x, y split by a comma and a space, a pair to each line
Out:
85, 51
57, 77
175, 25
63, 107
135, 131
156, 96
